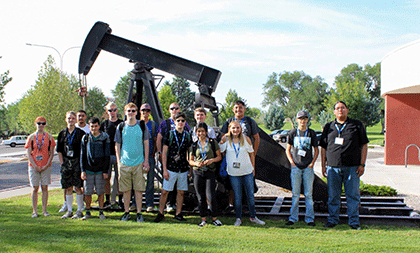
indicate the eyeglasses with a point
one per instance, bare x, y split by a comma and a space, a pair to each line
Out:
180, 120
341, 108
41, 123
145, 110
133, 110
112, 110
174, 108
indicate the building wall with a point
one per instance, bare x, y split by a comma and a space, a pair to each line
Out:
402, 125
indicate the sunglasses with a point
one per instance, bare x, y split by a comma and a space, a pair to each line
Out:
174, 108
145, 110
112, 110
41, 123
133, 110
180, 120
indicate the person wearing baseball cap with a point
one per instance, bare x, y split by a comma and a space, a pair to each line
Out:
40, 150
302, 152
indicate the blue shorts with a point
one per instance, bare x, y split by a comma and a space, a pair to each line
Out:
175, 177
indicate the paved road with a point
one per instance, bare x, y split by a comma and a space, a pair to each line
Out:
9, 150
15, 173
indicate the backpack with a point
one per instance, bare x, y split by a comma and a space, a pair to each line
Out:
32, 136
120, 127
212, 143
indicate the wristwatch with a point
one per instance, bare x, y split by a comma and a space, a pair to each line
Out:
362, 164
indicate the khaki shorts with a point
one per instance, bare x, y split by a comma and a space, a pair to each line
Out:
35, 177
131, 177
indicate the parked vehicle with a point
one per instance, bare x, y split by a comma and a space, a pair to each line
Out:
277, 131
282, 136
15, 140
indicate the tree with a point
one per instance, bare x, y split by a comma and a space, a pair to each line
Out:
274, 119
120, 92
166, 98
180, 88
294, 90
95, 103
359, 88
324, 117
4, 79
51, 97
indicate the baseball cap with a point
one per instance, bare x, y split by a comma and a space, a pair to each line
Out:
145, 106
302, 114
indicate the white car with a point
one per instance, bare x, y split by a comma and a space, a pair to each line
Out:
15, 140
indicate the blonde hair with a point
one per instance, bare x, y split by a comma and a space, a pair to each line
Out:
240, 136
130, 105
109, 105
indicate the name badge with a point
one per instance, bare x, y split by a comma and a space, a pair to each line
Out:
301, 152
236, 165
177, 157
70, 153
39, 158
339, 141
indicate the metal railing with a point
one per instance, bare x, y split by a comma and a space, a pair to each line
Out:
406, 149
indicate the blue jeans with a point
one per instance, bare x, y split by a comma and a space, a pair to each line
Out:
238, 183
150, 185
297, 175
336, 177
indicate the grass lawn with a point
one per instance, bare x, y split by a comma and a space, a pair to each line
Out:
21, 233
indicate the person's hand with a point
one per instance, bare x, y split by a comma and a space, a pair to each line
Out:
105, 175
208, 162
165, 174
324, 171
146, 166
83, 176
311, 165
360, 170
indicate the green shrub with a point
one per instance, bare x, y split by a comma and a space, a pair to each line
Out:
372, 190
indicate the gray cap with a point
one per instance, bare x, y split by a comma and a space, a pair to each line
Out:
302, 114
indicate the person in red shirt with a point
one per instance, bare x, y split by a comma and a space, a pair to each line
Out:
40, 150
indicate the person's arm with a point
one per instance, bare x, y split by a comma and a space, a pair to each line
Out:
289, 155
251, 154
31, 159
361, 169
256, 142
159, 145
118, 151
165, 172
316, 153
146, 165
324, 161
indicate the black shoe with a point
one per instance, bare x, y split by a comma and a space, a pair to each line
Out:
229, 209
159, 217
107, 203
312, 224
290, 223
179, 217
355, 227
329, 225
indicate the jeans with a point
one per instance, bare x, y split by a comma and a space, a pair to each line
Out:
336, 177
238, 183
297, 175
113, 164
150, 185
205, 187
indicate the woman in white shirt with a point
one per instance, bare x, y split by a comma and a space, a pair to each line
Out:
240, 161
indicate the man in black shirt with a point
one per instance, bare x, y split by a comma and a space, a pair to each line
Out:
343, 156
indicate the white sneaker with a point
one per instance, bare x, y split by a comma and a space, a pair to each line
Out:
257, 221
150, 209
67, 215
238, 222
78, 215
63, 209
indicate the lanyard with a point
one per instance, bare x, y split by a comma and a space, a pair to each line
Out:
37, 143
239, 148
70, 140
172, 124
203, 153
242, 121
340, 130
177, 142
298, 135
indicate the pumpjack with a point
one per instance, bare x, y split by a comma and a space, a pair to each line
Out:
271, 161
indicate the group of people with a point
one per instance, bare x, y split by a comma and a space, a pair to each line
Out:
88, 154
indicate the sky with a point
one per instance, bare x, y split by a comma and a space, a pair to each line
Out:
246, 40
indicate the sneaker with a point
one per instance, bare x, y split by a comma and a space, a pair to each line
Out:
102, 216
34, 215
63, 209
140, 218
329, 225
78, 215
355, 227
87, 216
289, 223
229, 209
107, 203
217, 223
169, 208
125, 217
238, 222
69, 214
159, 217
150, 209
202, 223
311, 224
179, 217
46, 214
133, 208
257, 221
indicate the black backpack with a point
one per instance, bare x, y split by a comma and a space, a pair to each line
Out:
120, 127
